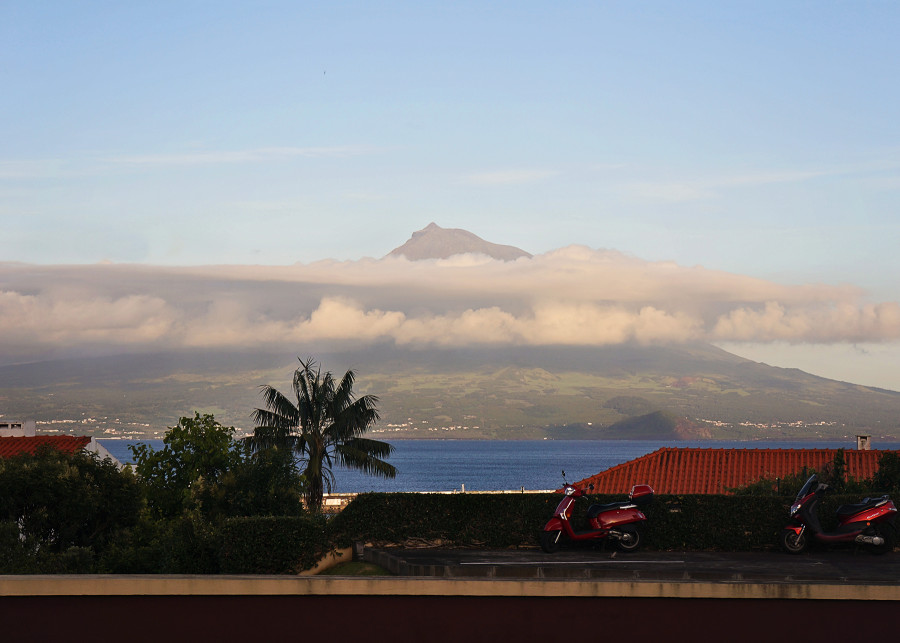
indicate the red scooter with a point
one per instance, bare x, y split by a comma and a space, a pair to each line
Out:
617, 521
870, 522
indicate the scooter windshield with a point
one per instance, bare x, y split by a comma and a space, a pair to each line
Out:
808, 487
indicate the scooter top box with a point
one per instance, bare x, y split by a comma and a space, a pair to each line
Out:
641, 494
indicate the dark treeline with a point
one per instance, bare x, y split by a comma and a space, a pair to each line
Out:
192, 506
207, 503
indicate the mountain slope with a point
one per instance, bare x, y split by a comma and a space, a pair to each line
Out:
695, 392
435, 242
484, 391
656, 425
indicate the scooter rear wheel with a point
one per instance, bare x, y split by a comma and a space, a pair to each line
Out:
550, 541
630, 539
792, 542
886, 531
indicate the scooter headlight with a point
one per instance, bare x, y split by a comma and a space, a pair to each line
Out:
570, 491
794, 509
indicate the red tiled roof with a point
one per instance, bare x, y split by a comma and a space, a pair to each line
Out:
65, 443
680, 470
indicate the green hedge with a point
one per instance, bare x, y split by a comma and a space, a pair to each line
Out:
674, 522
461, 520
272, 544
289, 544
719, 523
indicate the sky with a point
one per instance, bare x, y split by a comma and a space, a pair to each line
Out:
747, 144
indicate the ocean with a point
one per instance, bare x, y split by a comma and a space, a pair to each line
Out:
508, 465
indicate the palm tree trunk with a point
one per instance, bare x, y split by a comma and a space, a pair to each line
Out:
313, 493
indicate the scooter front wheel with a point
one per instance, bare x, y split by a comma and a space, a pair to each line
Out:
550, 541
792, 542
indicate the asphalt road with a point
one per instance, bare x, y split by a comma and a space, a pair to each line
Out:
839, 565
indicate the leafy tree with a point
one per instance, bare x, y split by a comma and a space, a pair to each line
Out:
788, 486
835, 472
887, 478
201, 467
58, 504
324, 427
196, 449
263, 483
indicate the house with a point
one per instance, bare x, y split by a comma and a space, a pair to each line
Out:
711, 471
20, 437
9, 429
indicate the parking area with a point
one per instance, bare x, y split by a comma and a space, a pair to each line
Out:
850, 566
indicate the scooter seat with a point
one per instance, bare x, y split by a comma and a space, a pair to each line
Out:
867, 503
595, 510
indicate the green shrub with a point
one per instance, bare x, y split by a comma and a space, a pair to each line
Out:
59, 501
674, 522
272, 544
714, 522
464, 520
184, 545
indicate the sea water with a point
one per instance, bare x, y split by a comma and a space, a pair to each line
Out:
506, 465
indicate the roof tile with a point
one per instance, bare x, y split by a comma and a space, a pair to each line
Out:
10, 447
709, 471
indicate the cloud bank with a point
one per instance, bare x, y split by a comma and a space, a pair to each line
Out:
572, 296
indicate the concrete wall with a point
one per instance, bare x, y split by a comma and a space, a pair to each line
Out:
262, 608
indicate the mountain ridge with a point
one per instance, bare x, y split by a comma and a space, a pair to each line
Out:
435, 242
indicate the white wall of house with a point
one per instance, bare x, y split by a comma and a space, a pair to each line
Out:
103, 453
17, 429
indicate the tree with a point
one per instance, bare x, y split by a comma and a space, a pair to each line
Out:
202, 467
196, 449
835, 472
325, 427
52, 502
264, 483
887, 478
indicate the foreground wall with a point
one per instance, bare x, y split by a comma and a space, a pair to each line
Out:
203, 608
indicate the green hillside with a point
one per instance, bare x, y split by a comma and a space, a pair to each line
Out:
621, 392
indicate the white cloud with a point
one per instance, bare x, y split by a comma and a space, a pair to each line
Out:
571, 296
821, 324
58, 320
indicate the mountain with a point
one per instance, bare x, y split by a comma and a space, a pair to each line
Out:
657, 425
621, 392
427, 389
435, 242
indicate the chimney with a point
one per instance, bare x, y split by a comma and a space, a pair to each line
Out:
863, 442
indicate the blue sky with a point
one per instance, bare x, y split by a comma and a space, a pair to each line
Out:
755, 138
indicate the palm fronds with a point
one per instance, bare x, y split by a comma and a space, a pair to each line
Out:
324, 427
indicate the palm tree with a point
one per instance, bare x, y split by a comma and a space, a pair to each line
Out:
324, 427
